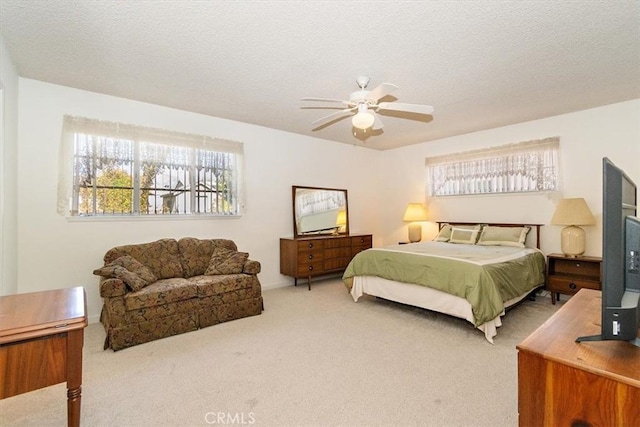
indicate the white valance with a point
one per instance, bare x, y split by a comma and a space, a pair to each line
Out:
528, 166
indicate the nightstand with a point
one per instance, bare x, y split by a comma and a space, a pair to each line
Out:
567, 275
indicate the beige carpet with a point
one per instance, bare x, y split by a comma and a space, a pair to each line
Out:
312, 358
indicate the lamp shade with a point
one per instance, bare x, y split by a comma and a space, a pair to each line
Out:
573, 212
363, 120
415, 212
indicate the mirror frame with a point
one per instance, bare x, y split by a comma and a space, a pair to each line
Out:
297, 234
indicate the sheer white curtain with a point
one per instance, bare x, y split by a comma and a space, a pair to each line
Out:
529, 166
117, 141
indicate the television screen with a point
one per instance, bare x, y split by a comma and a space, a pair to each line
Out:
620, 257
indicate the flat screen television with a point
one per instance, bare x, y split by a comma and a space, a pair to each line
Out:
620, 257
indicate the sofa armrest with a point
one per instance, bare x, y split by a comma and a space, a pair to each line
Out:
251, 267
112, 288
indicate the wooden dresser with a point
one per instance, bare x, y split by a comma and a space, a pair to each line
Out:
565, 383
307, 257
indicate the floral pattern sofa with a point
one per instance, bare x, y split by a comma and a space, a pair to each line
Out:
167, 287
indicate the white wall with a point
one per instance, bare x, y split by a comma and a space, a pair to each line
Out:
585, 137
8, 173
54, 252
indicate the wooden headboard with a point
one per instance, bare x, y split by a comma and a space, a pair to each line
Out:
535, 227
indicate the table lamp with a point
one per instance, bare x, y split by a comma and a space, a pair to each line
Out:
572, 213
415, 212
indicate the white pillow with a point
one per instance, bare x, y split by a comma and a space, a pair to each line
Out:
467, 236
503, 236
444, 234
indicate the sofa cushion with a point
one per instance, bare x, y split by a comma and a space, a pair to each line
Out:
226, 261
216, 285
129, 270
195, 254
162, 257
132, 280
135, 266
161, 292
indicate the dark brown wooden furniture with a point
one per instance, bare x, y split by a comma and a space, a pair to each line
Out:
565, 383
568, 275
41, 339
307, 257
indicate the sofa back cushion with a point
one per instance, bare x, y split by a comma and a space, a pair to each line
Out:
226, 261
162, 257
196, 253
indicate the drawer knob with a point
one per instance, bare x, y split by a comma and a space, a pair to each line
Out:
578, 264
310, 256
310, 267
310, 245
572, 286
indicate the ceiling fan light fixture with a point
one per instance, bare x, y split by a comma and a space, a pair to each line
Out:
366, 104
363, 119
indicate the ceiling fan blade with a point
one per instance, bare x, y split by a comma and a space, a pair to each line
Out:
325, 100
377, 123
410, 108
333, 116
381, 91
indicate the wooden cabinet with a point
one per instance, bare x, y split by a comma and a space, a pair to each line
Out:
568, 275
565, 383
307, 257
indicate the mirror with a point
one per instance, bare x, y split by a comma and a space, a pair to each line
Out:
318, 210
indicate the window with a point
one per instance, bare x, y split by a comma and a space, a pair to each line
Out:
115, 169
530, 166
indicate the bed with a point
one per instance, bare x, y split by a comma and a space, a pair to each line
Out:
471, 271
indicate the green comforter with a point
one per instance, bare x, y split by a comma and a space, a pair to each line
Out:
486, 276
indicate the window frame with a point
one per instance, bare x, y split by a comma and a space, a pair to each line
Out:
202, 152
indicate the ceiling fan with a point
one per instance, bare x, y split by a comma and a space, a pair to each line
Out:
365, 104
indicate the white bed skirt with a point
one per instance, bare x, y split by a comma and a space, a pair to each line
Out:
425, 297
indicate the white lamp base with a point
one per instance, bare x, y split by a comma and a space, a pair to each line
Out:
415, 232
572, 241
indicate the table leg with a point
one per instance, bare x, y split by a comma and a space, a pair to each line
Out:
75, 341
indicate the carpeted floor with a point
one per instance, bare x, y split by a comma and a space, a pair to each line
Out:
311, 359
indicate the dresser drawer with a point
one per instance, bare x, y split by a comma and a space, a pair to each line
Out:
337, 252
579, 267
309, 245
336, 263
337, 242
359, 244
361, 241
306, 269
569, 285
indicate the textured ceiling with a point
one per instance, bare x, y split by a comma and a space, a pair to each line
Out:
481, 64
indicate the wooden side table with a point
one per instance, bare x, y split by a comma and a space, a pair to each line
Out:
41, 339
567, 275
